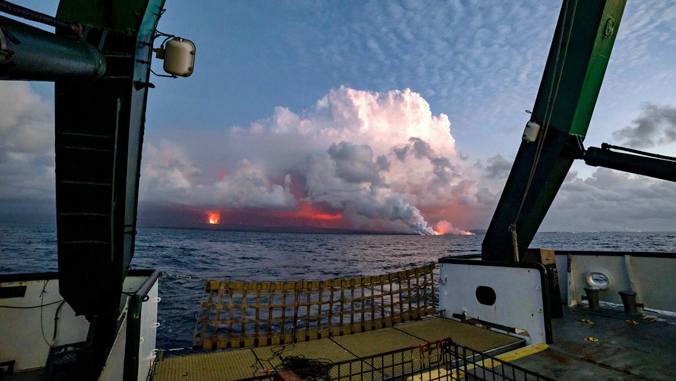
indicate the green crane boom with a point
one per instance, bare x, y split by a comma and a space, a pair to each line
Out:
570, 85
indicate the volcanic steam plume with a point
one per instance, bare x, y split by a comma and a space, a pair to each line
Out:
355, 159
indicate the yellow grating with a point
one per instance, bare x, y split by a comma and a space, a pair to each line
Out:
236, 364
324, 349
381, 341
257, 314
225, 366
479, 339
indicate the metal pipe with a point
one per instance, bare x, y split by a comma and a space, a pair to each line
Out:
650, 154
640, 165
33, 54
42, 18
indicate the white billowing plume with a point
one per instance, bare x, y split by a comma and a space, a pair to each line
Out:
249, 187
166, 168
169, 174
376, 157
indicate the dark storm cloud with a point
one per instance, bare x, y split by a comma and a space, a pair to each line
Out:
354, 163
498, 167
656, 125
420, 149
383, 163
612, 200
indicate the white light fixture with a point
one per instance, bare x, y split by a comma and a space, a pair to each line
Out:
531, 132
178, 55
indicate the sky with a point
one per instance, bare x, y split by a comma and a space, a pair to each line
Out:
400, 116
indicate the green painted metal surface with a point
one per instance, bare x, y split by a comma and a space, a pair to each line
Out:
577, 63
120, 16
570, 85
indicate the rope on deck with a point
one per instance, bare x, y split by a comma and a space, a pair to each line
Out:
255, 314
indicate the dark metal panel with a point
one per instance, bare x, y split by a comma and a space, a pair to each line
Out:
99, 133
36, 55
12, 292
132, 342
23, 277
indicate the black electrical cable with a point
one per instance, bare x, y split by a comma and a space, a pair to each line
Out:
308, 369
56, 318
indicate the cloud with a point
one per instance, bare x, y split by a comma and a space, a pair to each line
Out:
498, 167
169, 175
26, 143
443, 169
344, 153
478, 60
354, 163
250, 188
655, 126
354, 159
383, 161
613, 200
166, 167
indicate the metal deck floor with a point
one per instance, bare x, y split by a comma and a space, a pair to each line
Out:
249, 362
624, 351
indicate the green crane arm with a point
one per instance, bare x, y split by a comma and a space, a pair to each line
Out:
570, 85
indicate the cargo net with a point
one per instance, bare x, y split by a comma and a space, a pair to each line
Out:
442, 360
257, 314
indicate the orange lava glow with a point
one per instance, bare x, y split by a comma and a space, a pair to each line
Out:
453, 232
214, 217
312, 213
445, 227
303, 216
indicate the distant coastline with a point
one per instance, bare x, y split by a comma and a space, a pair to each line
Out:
279, 229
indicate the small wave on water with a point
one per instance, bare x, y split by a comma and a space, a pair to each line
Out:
222, 255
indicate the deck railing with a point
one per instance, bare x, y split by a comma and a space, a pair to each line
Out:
248, 314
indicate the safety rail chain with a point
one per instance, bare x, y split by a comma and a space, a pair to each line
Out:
439, 360
256, 314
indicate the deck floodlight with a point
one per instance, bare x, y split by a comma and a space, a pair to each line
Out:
178, 55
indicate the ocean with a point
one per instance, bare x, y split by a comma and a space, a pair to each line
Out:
223, 255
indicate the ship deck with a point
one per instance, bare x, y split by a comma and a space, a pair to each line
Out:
624, 350
252, 362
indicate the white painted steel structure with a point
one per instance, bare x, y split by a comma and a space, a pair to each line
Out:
519, 297
651, 275
27, 330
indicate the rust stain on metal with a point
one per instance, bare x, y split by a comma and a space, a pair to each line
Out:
559, 358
